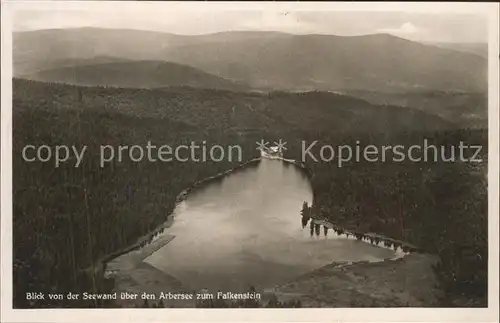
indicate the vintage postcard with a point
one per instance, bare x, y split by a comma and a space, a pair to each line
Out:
249, 161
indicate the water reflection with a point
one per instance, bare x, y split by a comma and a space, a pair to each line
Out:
244, 231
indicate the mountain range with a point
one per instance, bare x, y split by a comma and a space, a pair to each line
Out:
134, 74
241, 60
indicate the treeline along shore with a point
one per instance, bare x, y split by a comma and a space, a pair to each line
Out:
69, 219
100, 266
435, 207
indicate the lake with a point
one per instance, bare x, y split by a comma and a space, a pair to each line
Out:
245, 230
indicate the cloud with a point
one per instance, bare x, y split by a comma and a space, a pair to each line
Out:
405, 29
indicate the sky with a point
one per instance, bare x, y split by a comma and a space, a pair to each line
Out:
431, 27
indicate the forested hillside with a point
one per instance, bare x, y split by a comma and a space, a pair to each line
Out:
136, 74
466, 110
441, 207
94, 211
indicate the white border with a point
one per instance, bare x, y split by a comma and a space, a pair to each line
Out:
250, 315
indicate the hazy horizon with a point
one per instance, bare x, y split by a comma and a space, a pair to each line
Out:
159, 17
245, 31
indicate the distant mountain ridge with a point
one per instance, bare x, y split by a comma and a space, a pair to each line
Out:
480, 49
33, 67
135, 74
268, 60
376, 62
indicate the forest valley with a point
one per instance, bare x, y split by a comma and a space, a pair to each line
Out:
67, 220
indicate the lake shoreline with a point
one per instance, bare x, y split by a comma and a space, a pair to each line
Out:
127, 262
147, 238
373, 237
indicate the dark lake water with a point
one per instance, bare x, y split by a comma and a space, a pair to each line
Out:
245, 230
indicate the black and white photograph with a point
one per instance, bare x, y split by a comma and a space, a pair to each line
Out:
160, 156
